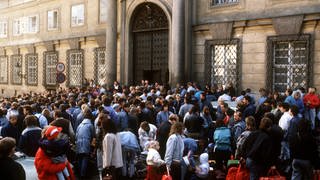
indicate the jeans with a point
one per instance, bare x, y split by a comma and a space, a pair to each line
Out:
83, 163
256, 169
302, 169
310, 114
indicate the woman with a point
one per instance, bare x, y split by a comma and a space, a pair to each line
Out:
9, 169
111, 145
164, 114
174, 150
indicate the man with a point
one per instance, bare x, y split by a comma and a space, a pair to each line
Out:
249, 109
311, 102
238, 127
163, 133
11, 129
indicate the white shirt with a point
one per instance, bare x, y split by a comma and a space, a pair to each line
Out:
154, 158
285, 121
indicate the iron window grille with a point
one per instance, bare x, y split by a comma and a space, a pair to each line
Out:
289, 62
224, 2
100, 65
4, 70
50, 63
32, 69
75, 72
16, 69
222, 63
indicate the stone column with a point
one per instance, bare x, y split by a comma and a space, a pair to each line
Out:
111, 41
178, 41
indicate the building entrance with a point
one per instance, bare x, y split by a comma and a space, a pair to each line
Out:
150, 44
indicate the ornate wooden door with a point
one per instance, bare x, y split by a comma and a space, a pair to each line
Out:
150, 44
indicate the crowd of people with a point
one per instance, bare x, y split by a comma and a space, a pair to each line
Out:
176, 129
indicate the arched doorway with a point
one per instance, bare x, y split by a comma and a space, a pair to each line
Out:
150, 44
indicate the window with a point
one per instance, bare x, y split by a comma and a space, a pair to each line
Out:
290, 62
25, 25
224, 2
17, 27
3, 69
3, 29
102, 11
75, 65
77, 15
32, 24
100, 65
16, 69
52, 20
32, 69
50, 63
222, 62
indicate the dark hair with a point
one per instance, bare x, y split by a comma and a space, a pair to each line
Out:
284, 105
31, 120
250, 123
219, 123
248, 98
6, 146
108, 125
270, 116
265, 124
294, 110
290, 91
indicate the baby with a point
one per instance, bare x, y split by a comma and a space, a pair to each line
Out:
55, 148
154, 161
202, 171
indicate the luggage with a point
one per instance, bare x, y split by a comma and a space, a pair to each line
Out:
238, 173
273, 174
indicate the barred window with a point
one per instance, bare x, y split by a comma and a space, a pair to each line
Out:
222, 62
75, 65
32, 69
50, 63
290, 59
3, 69
100, 65
16, 69
224, 2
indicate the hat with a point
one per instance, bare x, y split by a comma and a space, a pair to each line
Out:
52, 132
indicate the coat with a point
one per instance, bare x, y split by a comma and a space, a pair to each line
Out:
46, 169
112, 152
84, 136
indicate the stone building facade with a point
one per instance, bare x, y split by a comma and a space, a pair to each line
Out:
253, 44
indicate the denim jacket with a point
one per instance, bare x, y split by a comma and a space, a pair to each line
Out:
84, 136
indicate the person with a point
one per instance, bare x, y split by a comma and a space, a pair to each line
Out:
194, 123
163, 133
84, 136
250, 127
111, 148
249, 109
10, 169
50, 160
311, 102
154, 162
30, 136
238, 127
11, 129
202, 171
147, 132
258, 150
222, 147
303, 150
164, 114
174, 151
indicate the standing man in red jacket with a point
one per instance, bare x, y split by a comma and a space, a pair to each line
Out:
311, 102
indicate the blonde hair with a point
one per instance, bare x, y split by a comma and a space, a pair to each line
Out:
176, 128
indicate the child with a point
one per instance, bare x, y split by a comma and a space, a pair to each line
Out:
55, 148
202, 171
154, 161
